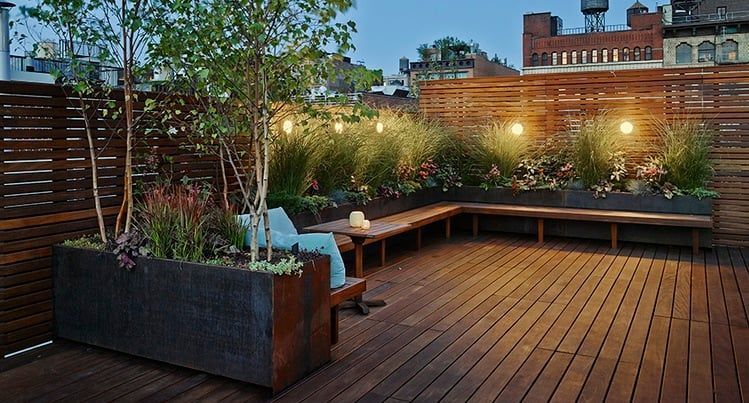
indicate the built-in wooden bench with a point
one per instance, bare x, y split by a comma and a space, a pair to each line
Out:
613, 217
353, 288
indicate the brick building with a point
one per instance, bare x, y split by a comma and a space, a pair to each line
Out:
549, 47
706, 33
472, 65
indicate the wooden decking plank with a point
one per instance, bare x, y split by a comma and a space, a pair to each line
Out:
683, 288
700, 377
675, 372
546, 382
199, 391
495, 343
579, 328
725, 376
741, 271
648, 386
394, 353
634, 267
523, 379
562, 273
699, 303
623, 382
740, 338
634, 346
442, 316
665, 302
569, 386
312, 383
510, 357
492, 327
716, 302
575, 301
731, 293
400, 376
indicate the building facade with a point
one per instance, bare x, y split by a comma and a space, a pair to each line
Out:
706, 33
472, 65
550, 48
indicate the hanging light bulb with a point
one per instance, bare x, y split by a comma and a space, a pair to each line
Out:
517, 129
288, 126
380, 127
627, 127
338, 127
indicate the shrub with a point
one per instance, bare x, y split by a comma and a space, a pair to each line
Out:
293, 162
495, 147
596, 150
294, 204
685, 152
86, 242
228, 227
174, 220
339, 156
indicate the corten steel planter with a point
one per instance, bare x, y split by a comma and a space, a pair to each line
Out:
255, 327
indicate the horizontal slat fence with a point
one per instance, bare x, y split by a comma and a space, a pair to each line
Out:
46, 192
548, 105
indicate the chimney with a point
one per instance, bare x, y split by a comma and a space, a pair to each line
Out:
5, 40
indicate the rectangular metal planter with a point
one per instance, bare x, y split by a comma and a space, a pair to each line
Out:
255, 327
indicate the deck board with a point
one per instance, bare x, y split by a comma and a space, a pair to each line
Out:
496, 318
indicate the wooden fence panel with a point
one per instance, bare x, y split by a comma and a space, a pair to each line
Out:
547, 105
46, 192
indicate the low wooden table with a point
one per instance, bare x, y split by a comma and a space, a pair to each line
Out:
378, 232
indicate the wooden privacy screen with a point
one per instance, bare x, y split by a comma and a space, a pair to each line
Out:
46, 197
549, 105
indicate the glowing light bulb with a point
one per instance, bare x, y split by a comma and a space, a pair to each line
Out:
517, 129
380, 127
338, 127
627, 127
288, 126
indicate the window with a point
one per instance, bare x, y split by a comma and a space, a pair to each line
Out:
648, 53
684, 53
584, 56
605, 55
574, 57
534, 59
729, 51
554, 58
625, 54
721, 11
544, 59
637, 54
594, 56
564, 57
615, 55
706, 52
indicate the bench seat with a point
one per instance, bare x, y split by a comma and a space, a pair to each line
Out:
613, 217
352, 288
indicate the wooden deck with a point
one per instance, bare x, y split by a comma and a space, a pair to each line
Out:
498, 318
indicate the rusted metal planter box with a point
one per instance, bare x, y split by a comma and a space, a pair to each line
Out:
255, 327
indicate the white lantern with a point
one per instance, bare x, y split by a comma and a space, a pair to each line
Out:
356, 219
366, 224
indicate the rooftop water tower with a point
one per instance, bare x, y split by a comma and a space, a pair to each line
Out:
595, 14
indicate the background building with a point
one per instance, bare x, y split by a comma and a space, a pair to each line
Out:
548, 47
705, 33
467, 66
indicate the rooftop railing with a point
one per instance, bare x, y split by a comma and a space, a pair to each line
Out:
717, 17
584, 30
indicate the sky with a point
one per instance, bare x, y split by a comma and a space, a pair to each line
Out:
390, 29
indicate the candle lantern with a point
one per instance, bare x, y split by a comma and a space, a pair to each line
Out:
366, 224
356, 219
